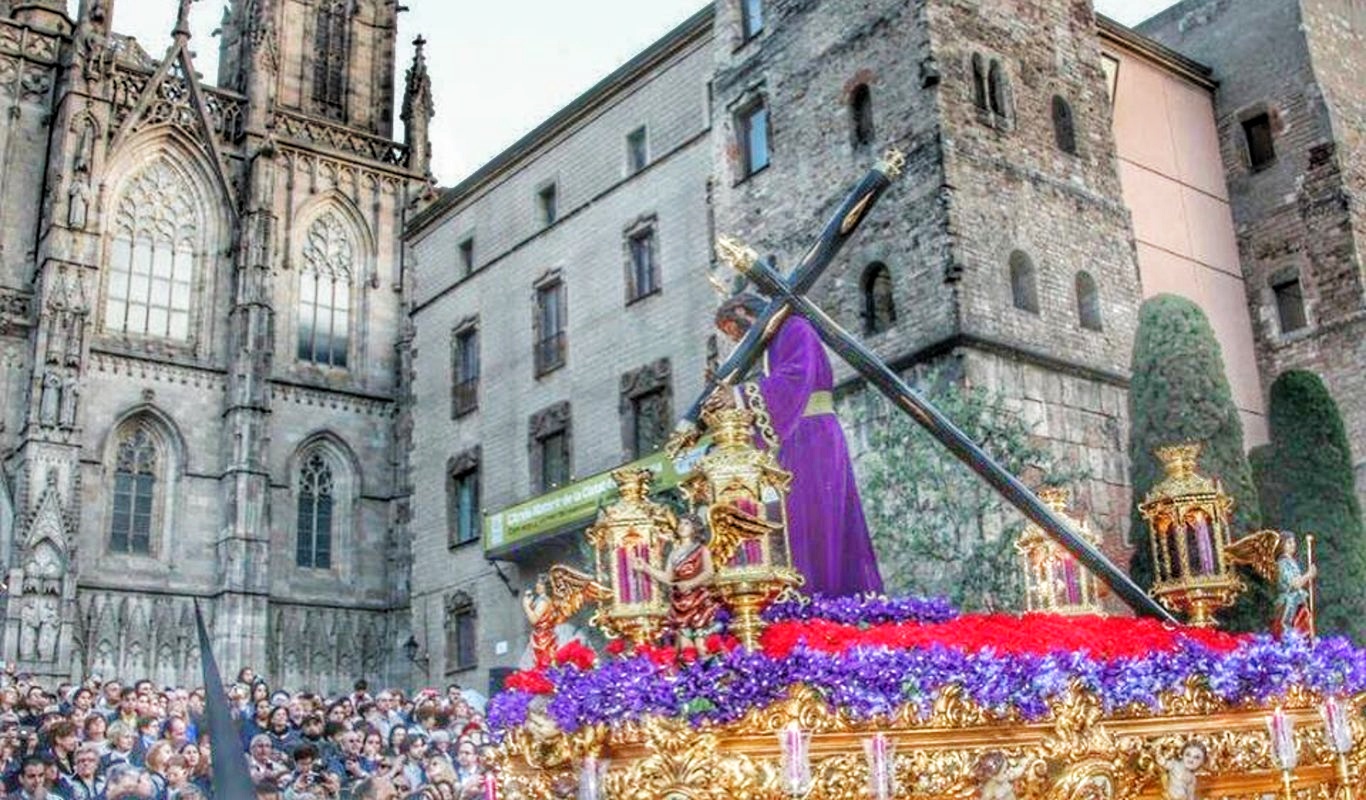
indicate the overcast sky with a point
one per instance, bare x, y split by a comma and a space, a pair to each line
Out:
498, 69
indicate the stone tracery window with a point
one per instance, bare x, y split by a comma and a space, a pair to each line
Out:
879, 306
329, 261
136, 466
157, 228
315, 513
330, 48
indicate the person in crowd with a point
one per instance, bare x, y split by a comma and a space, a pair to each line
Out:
132, 739
87, 783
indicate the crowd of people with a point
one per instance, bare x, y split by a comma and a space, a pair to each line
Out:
110, 740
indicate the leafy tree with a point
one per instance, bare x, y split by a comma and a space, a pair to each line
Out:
1307, 486
1180, 393
937, 527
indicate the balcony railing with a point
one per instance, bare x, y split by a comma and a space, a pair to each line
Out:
465, 397
550, 353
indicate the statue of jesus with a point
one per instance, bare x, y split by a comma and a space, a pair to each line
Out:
794, 408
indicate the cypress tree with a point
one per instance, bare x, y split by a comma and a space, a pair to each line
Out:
1307, 486
1180, 393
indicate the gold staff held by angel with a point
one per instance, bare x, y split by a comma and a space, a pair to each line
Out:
1272, 555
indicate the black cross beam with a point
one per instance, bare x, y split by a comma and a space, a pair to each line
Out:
836, 232
867, 364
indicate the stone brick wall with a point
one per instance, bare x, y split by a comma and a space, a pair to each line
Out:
1301, 215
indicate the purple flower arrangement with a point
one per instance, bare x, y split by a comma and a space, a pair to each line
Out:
866, 610
869, 682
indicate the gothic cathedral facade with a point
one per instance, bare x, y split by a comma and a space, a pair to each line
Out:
202, 345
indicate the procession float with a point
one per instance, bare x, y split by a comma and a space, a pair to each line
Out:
726, 676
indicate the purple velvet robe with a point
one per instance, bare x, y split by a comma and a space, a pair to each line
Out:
826, 528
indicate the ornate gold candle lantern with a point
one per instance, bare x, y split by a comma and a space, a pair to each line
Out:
1188, 516
632, 528
745, 489
1055, 582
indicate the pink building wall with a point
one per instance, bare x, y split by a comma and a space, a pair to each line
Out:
1173, 182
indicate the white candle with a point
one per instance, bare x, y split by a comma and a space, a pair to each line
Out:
879, 767
794, 755
1336, 726
588, 779
1283, 740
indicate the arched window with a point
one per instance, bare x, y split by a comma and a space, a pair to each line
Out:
137, 464
156, 239
879, 307
315, 525
1022, 288
1088, 302
998, 92
1064, 129
325, 292
330, 49
979, 82
861, 115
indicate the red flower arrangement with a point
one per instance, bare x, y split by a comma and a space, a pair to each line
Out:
577, 654
616, 647
1104, 638
531, 681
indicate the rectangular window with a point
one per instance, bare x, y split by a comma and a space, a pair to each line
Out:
464, 500
636, 154
550, 324
548, 201
1290, 305
462, 645
651, 414
752, 14
753, 129
554, 460
1261, 151
465, 372
467, 256
644, 274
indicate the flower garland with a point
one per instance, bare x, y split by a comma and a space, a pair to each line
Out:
1004, 664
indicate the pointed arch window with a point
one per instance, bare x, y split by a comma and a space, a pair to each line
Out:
156, 238
879, 307
1064, 127
329, 258
1022, 283
315, 513
998, 89
330, 48
136, 465
861, 115
979, 82
1088, 302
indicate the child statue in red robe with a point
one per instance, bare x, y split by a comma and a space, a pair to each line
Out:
689, 574
794, 409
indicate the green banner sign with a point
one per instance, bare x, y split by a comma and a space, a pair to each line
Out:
525, 523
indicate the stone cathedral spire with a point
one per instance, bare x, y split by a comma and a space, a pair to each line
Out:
417, 111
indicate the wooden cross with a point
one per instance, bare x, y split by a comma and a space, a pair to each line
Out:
837, 231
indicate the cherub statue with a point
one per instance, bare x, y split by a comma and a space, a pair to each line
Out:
997, 777
1178, 781
688, 572
568, 589
1272, 555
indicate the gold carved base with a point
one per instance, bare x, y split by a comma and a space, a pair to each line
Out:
960, 751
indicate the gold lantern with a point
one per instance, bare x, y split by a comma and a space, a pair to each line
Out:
632, 528
745, 490
1055, 581
1188, 516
